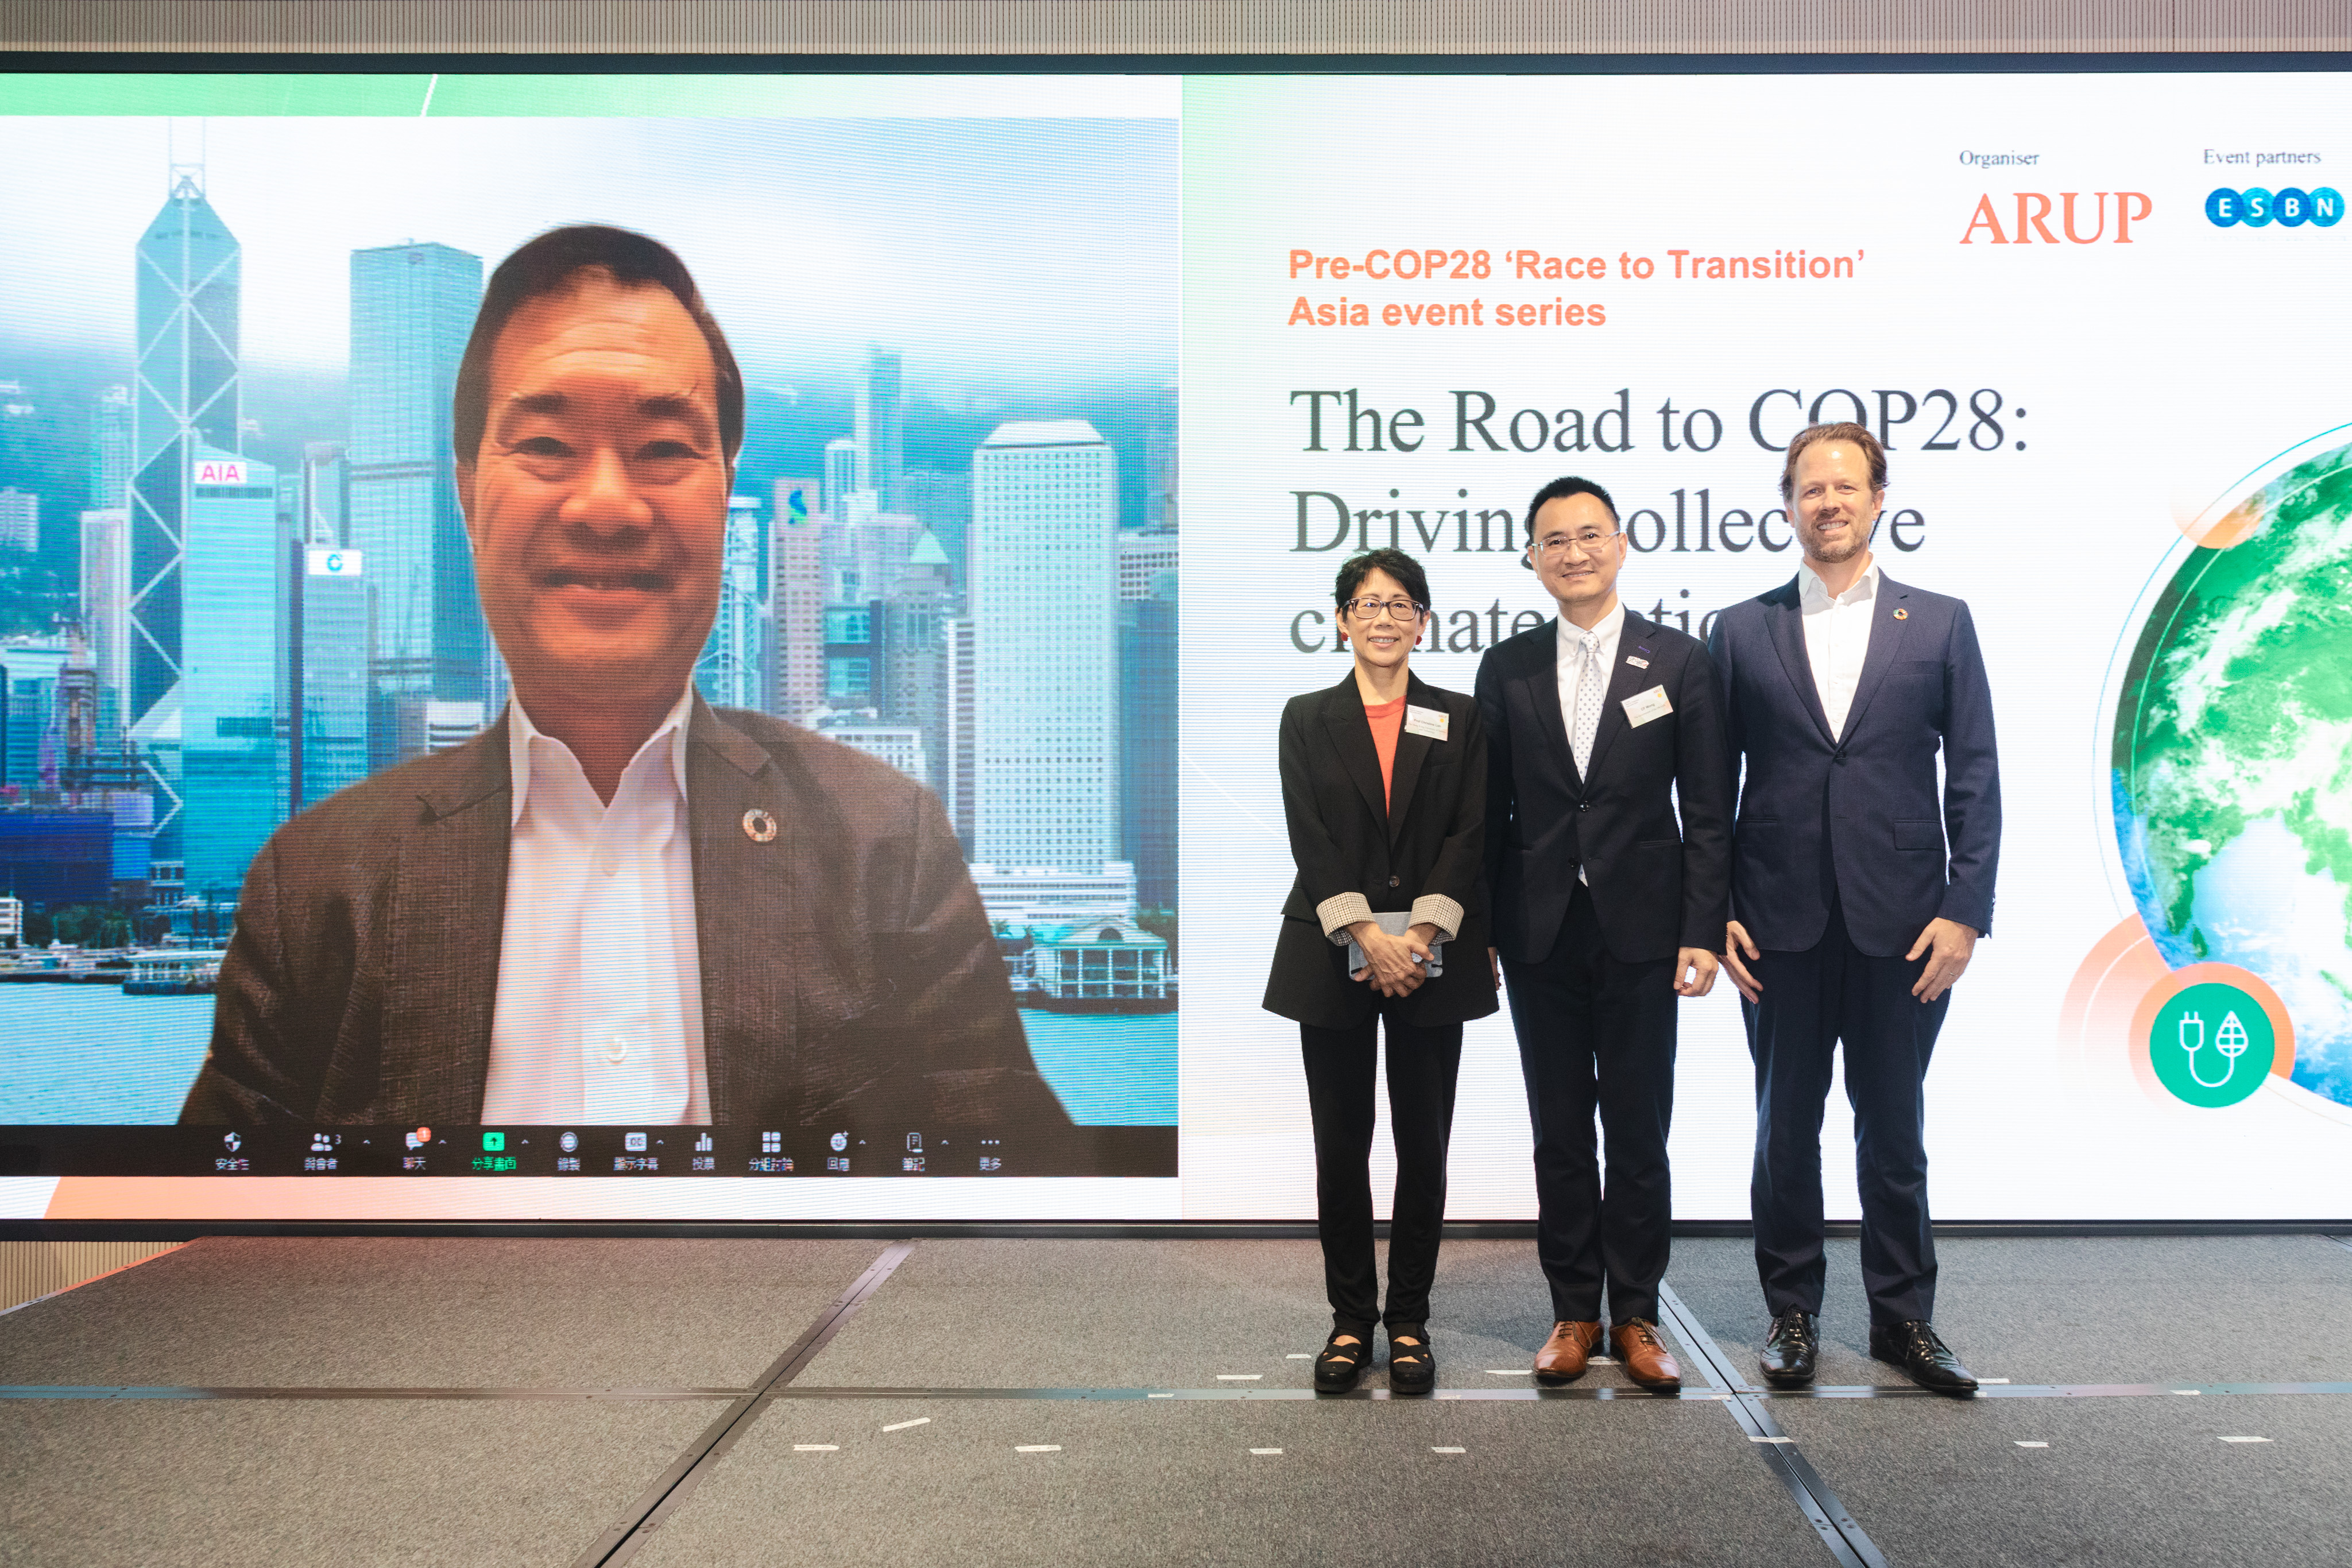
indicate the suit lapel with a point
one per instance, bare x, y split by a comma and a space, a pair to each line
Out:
448, 918
746, 915
1405, 771
1540, 681
1887, 633
1352, 736
1625, 680
1787, 619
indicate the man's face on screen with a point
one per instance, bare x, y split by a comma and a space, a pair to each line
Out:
1834, 505
597, 503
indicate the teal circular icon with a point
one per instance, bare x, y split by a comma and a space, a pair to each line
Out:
2293, 207
2212, 1045
2326, 206
2256, 202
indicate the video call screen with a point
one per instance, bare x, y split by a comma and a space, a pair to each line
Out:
1004, 342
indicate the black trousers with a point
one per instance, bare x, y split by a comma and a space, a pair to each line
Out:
1595, 1033
1811, 1001
1423, 1065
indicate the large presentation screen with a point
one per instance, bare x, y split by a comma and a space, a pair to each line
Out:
956, 892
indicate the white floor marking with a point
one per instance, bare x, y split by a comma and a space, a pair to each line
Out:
816, 1447
2022, 1443
1302, 1355
1037, 1447
902, 1426
1755, 1439
2245, 1439
1992, 1380
1449, 1450
1239, 1376
2190, 1390
1510, 1371
1159, 1396
1265, 1450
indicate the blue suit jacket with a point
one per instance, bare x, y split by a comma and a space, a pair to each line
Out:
1863, 808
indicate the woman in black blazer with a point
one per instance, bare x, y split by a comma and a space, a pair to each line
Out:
1384, 788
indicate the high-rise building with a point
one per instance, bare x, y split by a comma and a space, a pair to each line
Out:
1160, 464
110, 450
326, 497
941, 502
20, 520
105, 594
911, 664
189, 395
882, 424
1045, 513
729, 673
328, 671
412, 310
233, 787
1143, 557
1146, 743
844, 471
796, 602
959, 752
31, 669
899, 745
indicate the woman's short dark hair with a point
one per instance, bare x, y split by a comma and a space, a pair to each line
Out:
1395, 562
546, 266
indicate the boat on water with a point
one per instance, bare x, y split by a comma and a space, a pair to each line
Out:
174, 972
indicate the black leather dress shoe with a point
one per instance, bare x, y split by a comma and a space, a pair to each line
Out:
1929, 1362
1790, 1350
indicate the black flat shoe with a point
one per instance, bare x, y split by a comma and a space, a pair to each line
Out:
1337, 1369
1412, 1368
1926, 1359
1790, 1350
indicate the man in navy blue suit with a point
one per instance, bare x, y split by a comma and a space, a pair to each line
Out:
1858, 891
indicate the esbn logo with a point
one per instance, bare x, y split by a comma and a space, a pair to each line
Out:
2289, 209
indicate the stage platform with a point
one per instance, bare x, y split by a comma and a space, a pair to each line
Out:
994, 1400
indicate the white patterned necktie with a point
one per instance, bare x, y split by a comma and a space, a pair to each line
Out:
1590, 685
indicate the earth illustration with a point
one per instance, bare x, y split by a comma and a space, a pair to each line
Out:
2233, 758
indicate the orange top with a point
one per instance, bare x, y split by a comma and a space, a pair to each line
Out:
1387, 720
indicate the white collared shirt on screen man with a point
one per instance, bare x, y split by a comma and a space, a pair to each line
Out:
599, 1011
1837, 637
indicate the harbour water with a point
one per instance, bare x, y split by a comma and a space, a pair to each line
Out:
90, 1056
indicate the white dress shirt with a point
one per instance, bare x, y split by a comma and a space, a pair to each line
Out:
1837, 638
1568, 669
599, 1012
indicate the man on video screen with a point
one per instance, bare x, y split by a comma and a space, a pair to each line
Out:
617, 905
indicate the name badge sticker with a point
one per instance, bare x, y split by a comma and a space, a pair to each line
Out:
1644, 707
1428, 721
1637, 663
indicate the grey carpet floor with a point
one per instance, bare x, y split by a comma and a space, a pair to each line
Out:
1169, 1314
350, 1481
362, 1311
1942, 1484
1634, 1482
2072, 1308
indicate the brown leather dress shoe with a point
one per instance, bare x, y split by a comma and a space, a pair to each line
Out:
1644, 1357
1564, 1355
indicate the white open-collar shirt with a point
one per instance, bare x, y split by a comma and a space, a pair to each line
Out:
1837, 638
1568, 669
599, 1011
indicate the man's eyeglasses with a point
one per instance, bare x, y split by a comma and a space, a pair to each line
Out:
1556, 546
1398, 609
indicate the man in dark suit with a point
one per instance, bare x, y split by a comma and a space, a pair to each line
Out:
617, 904
1858, 891
1605, 909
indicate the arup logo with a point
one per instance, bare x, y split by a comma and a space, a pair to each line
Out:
2079, 211
2290, 208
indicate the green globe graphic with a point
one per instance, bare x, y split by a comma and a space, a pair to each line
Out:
2232, 762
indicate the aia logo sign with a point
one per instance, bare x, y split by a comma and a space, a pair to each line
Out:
2081, 217
2290, 208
